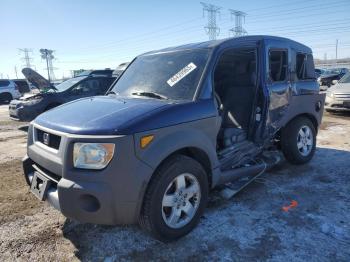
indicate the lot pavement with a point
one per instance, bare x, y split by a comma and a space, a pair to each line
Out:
250, 226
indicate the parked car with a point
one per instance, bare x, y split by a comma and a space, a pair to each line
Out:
30, 106
319, 72
338, 96
328, 76
177, 123
8, 90
22, 84
120, 69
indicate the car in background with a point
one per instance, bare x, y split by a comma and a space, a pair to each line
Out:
22, 84
106, 72
8, 90
329, 75
30, 106
319, 72
120, 69
338, 96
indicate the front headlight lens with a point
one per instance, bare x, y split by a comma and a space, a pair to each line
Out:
330, 94
92, 155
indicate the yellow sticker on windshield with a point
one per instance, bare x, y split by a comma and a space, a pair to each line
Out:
181, 74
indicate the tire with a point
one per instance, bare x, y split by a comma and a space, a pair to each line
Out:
5, 97
156, 217
293, 144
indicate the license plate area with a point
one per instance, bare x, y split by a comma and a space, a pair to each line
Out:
39, 186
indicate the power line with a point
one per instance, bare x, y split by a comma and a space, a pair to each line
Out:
238, 29
47, 54
212, 11
26, 57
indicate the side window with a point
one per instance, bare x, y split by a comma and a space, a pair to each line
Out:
87, 87
278, 64
305, 68
4, 83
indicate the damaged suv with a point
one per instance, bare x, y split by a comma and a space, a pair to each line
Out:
177, 123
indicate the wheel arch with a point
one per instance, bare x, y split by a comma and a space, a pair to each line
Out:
309, 116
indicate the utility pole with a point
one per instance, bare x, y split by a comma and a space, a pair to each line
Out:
212, 11
26, 57
16, 72
47, 54
238, 29
336, 51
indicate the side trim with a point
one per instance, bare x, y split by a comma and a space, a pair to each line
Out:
73, 135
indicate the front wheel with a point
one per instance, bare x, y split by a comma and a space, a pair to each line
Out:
298, 140
175, 198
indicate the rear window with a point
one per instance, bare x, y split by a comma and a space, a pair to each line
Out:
278, 65
4, 83
305, 69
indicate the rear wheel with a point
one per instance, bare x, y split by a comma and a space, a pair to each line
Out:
298, 140
175, 199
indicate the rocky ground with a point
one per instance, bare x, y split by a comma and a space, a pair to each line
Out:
250, 226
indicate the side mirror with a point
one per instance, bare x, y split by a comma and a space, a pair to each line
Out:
334, 82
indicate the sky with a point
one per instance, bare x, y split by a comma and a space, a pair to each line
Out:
97, 34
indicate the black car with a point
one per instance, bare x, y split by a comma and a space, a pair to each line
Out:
30, 106
326, 79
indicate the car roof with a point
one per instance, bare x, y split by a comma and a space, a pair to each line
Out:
234, 41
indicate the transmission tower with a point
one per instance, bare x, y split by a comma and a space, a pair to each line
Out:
26, 57
238, 29
47, 54
212, 11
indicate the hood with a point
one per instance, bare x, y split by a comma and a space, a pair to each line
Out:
102, 115
36, 79
340, 88
113, 115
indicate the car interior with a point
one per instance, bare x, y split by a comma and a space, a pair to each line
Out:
235, 89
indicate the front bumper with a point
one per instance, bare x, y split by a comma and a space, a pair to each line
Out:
19, 111
334, 104
110, 196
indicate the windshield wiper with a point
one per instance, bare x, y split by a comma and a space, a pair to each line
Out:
111, 92
150, 94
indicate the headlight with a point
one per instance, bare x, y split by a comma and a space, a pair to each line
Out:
330, 94
92, 155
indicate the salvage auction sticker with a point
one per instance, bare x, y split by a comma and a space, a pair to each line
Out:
181, 74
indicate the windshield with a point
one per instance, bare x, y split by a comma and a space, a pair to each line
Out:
69, 83
173, 75
345, 79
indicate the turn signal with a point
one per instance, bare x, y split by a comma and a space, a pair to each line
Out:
145, 140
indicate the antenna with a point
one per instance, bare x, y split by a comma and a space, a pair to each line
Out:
211, 29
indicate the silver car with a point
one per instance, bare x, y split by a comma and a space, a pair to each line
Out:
338, 96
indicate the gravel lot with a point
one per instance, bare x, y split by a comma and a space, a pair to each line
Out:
250, 226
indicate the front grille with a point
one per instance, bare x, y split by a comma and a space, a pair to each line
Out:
342, 96
48, 139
